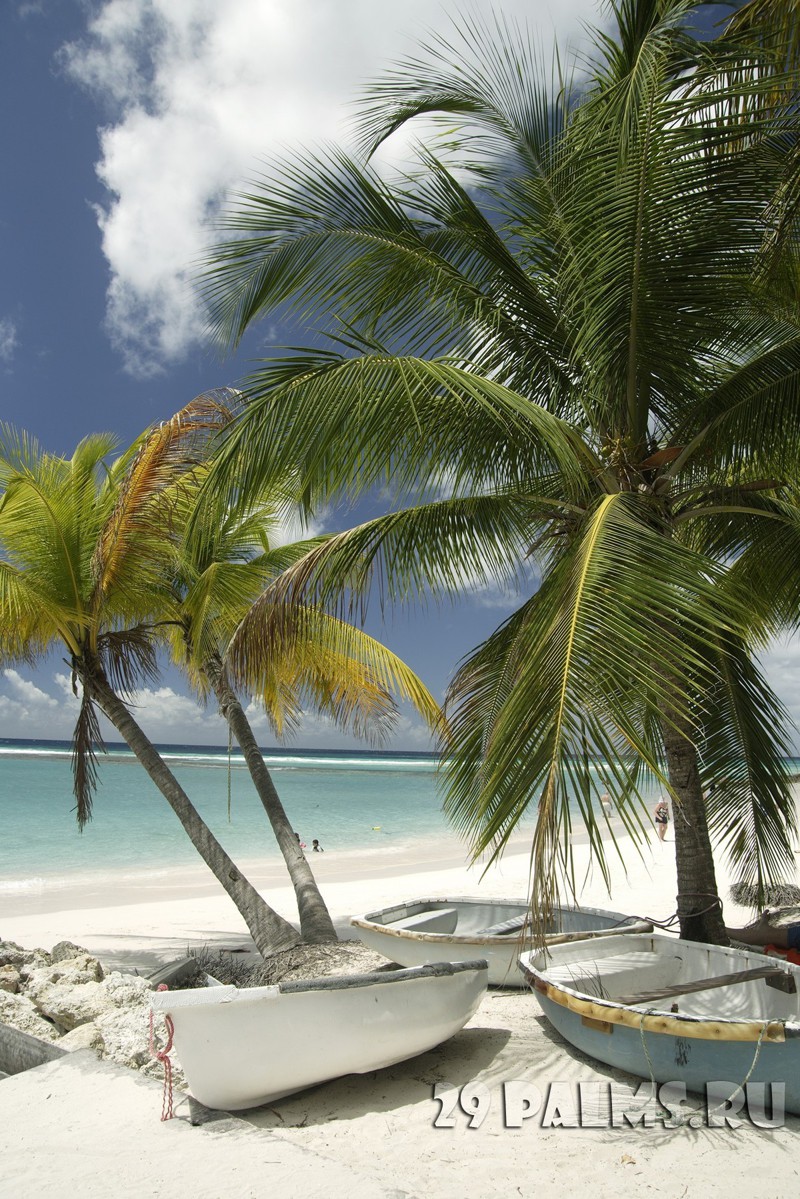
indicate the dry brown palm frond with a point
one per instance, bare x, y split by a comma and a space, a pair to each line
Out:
85, 740
169, 452
129, 657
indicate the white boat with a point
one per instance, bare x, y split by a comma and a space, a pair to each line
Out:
437, 930
675, 1011
243, 1047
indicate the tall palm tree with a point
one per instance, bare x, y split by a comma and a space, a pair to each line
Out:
83, 546
555, 329
228, 554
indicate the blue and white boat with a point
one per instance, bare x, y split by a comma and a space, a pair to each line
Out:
674, 1011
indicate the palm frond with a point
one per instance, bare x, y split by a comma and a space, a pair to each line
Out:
377, 410
345, 673
167, 453
623, 614
746, 736
85, 740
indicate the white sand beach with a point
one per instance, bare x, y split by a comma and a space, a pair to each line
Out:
79, 1123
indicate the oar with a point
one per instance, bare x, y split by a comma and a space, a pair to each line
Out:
704, 984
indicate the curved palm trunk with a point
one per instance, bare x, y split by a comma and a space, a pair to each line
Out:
269, 930
699, 907
315, 921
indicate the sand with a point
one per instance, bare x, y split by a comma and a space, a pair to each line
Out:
80, 1123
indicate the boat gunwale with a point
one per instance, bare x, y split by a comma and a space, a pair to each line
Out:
368, 921
213, 996
657, 1020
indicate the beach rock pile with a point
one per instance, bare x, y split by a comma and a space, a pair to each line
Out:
65, 996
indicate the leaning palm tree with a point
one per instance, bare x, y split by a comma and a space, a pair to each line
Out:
554, 334
228, 555
83, 545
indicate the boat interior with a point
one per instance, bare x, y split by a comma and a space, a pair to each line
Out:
664, 974
476, 918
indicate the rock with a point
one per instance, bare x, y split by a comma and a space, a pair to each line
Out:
65, 950
9, 979
66, 997
69, 1004
69, 972
85, 1036
12, 954
124, 989
20, 1013
126, 1036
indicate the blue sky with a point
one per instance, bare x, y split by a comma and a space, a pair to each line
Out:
126, 123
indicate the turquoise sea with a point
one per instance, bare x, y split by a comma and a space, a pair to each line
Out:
346, 800
350, 801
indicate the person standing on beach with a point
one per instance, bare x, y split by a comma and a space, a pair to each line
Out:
605, 803
316, 847
661, 817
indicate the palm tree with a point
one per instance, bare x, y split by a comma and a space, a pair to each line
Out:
554, 333
82, 551
226, 561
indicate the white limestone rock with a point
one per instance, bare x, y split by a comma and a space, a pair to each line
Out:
70, 972
85, 1036
12, 954
70, 1003
128, 989
66, 951
9, 979
126, 1036
20, 1013
68, 1006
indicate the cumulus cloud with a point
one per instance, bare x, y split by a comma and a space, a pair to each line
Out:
168, 716
8, 339
26, 710
27, 692
198, 93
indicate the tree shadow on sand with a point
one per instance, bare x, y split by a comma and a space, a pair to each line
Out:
457, 1061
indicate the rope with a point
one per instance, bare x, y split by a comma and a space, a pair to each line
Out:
162, 1055
675, 918
746, 1078
687, 1119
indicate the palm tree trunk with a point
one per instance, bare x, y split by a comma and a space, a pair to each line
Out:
699, 907
269, 931
315, 920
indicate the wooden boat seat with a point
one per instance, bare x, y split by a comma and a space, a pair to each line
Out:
505, 926
442, 920
770, 974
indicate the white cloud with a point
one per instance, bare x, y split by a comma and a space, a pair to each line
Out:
167, 716
200, 92
27, 692
8, 339
26, 710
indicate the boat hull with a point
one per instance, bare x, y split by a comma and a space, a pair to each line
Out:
242, 1048
740, 1033
450, 930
